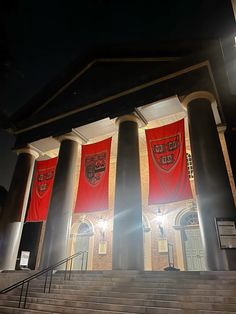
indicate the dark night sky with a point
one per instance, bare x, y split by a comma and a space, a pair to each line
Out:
39, 39
44, 37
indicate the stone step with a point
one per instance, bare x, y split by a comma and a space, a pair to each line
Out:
137, 290
138, 281
134, 284
154, 274
102, 308
126, 298
48, 308
119, 303
11, 310
119, 298
130, 292
142, 278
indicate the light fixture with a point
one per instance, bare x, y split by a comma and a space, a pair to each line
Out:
160, 222
102, 225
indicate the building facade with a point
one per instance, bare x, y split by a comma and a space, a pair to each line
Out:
93, 232
182, 234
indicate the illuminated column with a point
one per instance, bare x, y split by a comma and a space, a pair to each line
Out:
13, 215
127, 252
58, 223
214, 196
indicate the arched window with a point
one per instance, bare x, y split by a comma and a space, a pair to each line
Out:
189, 219
190, 165
84, 229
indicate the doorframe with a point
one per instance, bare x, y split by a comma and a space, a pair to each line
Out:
183, 244
73, 238
178, 229
147, 241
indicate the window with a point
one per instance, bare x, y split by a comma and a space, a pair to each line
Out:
146, 227
189, 219
84, 229
189, 165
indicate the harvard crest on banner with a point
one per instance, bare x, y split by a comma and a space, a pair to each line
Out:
92, 192
41, 190
168, 174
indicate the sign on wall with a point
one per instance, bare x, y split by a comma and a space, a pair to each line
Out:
226, 230
162, 246
24, 258
102, 248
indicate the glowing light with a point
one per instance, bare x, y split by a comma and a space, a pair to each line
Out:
160, 218
102, 224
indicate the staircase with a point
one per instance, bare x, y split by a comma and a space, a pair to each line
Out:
117, 292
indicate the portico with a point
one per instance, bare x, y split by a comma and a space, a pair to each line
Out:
124, 116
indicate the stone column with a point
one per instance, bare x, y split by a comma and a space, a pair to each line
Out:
13, 215
59, 218
127, 252
214, 195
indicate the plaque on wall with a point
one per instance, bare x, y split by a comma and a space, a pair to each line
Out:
24, 258
102, 248
162, 246
226, 230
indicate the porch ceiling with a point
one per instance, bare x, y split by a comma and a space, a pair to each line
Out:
156, 114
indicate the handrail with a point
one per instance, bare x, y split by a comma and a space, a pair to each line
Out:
45, 271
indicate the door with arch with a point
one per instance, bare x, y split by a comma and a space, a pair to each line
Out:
82, 241
192, 242
147, 245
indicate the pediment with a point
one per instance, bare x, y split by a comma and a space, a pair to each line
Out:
109, 88
100, 81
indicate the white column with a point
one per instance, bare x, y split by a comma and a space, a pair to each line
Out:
14, 210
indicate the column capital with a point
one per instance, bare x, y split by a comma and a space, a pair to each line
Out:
71, 136
203, 95
129, 117
28, 150
221, 128
197, 95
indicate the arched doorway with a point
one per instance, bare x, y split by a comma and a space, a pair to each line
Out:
82, 240
147, 244
192, 243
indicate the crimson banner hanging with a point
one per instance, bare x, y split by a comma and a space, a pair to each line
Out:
92, 192
168, 174
42, 189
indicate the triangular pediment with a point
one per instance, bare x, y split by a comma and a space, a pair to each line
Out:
102, 81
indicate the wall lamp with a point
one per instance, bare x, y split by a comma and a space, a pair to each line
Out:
160, 222
102, 225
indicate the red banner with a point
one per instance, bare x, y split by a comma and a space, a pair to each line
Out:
168, 174
92, 192
42, 189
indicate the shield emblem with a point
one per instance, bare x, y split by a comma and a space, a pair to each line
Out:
166, 151
95, 166
43, 180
